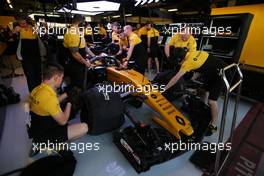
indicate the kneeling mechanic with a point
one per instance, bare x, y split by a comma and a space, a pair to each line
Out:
48, 121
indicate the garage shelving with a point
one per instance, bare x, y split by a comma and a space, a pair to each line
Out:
227, 45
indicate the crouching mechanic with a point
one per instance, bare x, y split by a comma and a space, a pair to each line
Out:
185, 40
48, 121
209, 67
136, 51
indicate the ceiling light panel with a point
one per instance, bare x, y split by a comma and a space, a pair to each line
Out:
100, 6
78, 12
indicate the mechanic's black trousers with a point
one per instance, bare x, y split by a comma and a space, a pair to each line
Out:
31, 62
139, 55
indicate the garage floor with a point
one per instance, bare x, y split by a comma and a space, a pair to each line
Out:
108, 161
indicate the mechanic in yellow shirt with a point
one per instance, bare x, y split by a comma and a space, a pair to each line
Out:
208, 66
115, 30
153, 48
184, 39
48, 120
31, 61
142, 34
75, 43
114, 46
136, 51
102, 32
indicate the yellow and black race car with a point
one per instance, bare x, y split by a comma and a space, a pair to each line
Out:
143, 145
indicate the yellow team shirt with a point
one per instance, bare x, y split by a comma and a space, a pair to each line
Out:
72, 39
115, 37
28, 33
102, 31
153, 33
43, 101
143, 31
136, 31
193, 60
134, 39
123, 42
176, 41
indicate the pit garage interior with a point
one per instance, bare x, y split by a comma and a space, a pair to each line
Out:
241, 99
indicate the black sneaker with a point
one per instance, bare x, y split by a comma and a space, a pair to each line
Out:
211, 130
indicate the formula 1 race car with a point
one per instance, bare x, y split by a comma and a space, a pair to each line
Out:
143, 145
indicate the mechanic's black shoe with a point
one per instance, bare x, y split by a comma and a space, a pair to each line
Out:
211, 130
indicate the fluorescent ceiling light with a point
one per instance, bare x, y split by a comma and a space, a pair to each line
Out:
117, 16
142, 2
9, 4
127, 15
150, 1
41, 14
98, 6
78, 12
172, 10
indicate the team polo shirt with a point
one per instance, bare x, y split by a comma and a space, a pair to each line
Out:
176, 41
115, 37
28, 33
193, 61
134, 39
153, 33
72, 39
123, 42
136, 31
143, 31
43, 101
